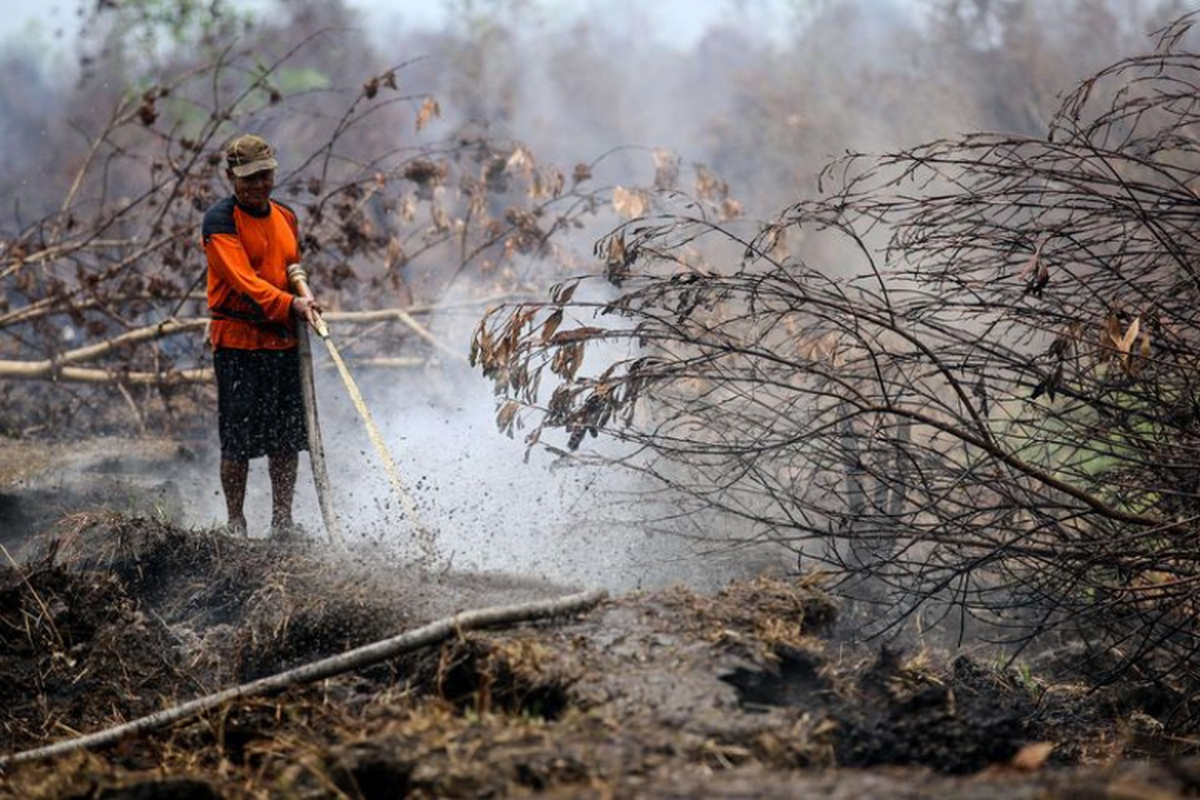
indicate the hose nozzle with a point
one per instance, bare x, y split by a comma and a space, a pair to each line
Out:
298, 278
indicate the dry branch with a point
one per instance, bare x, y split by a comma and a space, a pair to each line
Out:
325, 668
51, 371
979, 402
59, 368
117, 269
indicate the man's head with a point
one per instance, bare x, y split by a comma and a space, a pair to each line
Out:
250, 164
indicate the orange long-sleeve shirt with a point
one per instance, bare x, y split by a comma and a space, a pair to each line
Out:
248, 256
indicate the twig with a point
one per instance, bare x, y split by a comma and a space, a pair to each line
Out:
325, 668
37, 598
423, 332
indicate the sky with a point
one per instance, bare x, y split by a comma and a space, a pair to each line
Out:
671, 22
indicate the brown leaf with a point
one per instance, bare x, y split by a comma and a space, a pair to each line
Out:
551, 325
521, 161
1134, 365
1125, 344
1033, 756
617, 254
429, 109
629, 203
506, 417
546, 183
575, 335
147, 112
531, 441
394, 255
1031, 265
1110, 337
564, 294
666, 169
774, 241
708, 185
567, 359
441, 220
408, 208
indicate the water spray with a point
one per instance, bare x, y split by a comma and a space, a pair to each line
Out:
299, 281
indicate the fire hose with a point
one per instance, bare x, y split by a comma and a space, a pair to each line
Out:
299, 281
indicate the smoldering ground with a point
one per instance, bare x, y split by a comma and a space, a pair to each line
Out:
488, 508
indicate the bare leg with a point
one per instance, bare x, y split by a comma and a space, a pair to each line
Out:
282, 469
233, 482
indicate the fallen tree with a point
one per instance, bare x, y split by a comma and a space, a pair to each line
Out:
964, 377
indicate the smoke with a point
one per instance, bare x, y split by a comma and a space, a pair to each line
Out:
488, 509
760, 94
609, 81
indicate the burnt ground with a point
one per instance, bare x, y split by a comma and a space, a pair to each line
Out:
743, 692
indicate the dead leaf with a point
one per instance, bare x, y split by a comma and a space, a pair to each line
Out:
666, 169
617, 260
1125, 345
148, 112
546, 183
429, 109
441, 220
521, 161
1134, 365
1110, 338
551, 325
708, 186
394, 255
563, 294
1033, 756
773, 240
408, 208
1031, 265
506, 416
575, 335
617, 254
629, 203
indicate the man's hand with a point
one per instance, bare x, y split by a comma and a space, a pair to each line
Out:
309, 310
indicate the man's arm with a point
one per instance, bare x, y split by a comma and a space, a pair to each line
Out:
305, 307
227, 259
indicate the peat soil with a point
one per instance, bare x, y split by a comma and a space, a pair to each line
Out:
744, 692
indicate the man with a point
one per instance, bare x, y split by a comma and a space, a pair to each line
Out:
249, 241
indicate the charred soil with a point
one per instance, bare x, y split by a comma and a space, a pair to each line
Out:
664, 694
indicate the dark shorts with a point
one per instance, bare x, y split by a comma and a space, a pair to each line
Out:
260, 410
